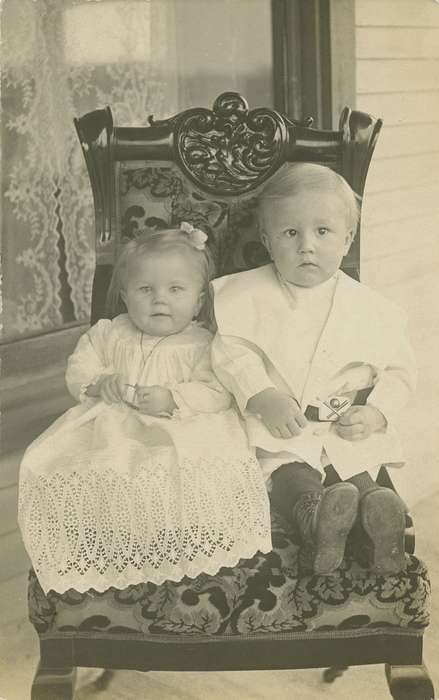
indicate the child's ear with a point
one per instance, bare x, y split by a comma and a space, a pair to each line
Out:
207, 314
266, 241
200, 302
348, 241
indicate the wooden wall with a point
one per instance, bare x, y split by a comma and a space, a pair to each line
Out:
397, 78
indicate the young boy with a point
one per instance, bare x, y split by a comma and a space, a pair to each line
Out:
320, 365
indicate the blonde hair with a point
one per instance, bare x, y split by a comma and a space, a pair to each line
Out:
292, 178
150, 242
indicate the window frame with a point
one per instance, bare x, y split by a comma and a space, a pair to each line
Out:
314, 58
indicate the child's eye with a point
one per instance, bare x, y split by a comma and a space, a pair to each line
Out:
145, 289
323, 230
290, 233
176, 288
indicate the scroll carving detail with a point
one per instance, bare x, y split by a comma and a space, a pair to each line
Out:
230, 149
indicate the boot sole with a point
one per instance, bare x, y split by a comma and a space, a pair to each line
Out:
336, 516
383, 519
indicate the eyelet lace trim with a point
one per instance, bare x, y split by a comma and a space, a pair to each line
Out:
98, 528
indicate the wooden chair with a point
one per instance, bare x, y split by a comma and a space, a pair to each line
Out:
270, 612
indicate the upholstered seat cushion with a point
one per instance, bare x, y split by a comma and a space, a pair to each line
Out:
269, 593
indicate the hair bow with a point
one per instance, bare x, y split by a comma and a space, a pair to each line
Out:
197, 237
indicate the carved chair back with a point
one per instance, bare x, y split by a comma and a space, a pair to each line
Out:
206, 167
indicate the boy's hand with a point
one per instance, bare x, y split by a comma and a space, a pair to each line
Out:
155, 401
359, 422
352, 378
109, 387
279, 412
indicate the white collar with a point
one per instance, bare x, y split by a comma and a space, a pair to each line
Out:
306, 296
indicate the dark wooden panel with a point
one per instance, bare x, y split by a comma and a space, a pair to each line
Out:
313, 58
287, 56
230, 654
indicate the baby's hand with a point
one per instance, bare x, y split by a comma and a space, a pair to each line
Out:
109, 387
359, 422
155, 401
279, 412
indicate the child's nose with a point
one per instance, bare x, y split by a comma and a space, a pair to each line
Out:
159, 297
306, 241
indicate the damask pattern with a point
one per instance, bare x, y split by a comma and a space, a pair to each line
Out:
155, 196
276, 592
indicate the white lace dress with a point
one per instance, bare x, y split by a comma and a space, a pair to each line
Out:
112, 497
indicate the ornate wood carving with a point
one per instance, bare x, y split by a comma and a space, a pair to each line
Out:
230, 150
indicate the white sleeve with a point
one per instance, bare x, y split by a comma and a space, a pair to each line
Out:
397, 381
203, 393
239, 368
88, 360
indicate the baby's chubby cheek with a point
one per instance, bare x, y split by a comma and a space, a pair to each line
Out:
286, 263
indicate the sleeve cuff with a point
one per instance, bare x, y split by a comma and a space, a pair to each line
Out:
246, 392
183, 410
390, 409
83, 387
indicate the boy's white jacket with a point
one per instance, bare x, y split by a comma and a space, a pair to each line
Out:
251, 309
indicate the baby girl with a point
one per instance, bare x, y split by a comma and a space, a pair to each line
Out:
150, 476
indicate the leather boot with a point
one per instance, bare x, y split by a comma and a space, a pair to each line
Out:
324, 521
382, 514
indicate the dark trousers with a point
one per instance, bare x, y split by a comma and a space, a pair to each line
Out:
290, 482
296, 479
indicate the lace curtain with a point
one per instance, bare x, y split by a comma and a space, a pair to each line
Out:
53, 70
62, 58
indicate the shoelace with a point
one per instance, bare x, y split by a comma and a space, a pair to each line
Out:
304, 514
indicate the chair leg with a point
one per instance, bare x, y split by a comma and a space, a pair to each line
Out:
104, 680
409, 682
53, 684
330, 674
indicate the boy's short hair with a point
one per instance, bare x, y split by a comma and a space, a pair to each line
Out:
292, 178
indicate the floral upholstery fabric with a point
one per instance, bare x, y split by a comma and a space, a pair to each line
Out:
269, 593
157, 195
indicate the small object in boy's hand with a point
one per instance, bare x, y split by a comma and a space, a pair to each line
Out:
359, 422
